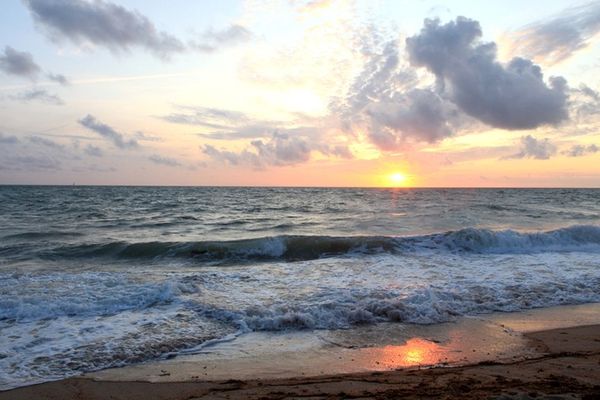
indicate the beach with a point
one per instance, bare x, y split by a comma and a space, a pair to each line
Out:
164, 285
507, 356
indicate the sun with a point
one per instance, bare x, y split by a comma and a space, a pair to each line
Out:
397, 179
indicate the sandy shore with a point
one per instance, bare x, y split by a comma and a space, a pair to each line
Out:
526, 364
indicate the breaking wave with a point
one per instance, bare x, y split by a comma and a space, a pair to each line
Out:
584, 238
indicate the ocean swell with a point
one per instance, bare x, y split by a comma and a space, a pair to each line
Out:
584, 238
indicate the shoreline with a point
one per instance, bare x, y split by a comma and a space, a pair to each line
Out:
532, 353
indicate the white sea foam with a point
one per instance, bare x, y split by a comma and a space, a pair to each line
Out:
26, 297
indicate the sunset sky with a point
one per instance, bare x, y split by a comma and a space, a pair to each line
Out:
300, 93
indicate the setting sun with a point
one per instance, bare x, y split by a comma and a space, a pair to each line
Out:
397, 179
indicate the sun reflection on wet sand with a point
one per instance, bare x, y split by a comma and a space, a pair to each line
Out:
415, 352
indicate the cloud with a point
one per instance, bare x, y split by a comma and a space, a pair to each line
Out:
386, 101
558, 38
580, 150
393, 104
207, 116
45, 142
230, 157
589, 92
160, 160
534, 148
282, 149
585, 102
147, 138
251, 131
272, 143
381, 77
227, 124
93, 151
108, 133
19, 63
39, 95
29, 163
212, 40
58, 78
101, 23
419, 114
5, 139
512, 96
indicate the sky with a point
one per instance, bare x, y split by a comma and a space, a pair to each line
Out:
300, 93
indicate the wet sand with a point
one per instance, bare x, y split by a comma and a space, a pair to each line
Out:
504, 356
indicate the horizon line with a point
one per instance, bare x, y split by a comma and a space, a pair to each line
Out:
300, 187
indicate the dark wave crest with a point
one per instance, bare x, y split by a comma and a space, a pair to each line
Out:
296, 248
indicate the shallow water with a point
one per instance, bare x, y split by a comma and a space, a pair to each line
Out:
92, 277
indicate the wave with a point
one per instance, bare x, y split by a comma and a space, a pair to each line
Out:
424, 305
419, 304
31, 297
93, 295
41, 235
584, 238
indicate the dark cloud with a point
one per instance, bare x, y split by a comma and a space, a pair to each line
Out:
580, 150
212, 40
420, 114
161, 160
5, 139
512, 96
58, 78
118, 139
38, 95
389, 102
19, 63
93, 151
534, 148
101, 23
557, 38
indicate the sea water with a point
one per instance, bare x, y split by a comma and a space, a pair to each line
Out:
97, 277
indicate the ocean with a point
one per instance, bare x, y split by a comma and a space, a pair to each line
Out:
97, 277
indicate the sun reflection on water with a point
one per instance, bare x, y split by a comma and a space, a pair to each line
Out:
415, 352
